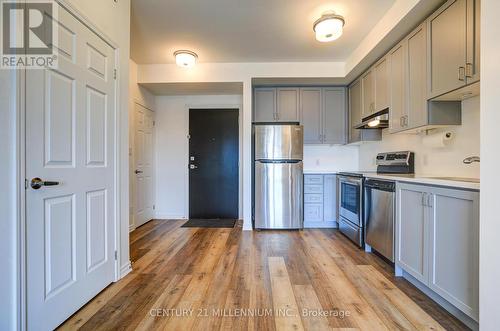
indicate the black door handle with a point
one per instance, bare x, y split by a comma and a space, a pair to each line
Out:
37, 183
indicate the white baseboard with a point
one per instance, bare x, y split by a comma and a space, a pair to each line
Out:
125, 269
247, 226
320, 225
165, 216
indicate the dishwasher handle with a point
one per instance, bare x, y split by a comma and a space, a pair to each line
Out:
381, 185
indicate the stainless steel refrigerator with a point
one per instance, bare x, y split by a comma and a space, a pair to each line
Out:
278, 190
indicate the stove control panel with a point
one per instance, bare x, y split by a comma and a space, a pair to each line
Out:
396, 162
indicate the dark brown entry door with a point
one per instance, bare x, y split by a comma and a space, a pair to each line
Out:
213, 163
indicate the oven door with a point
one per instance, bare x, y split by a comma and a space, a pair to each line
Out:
350, 200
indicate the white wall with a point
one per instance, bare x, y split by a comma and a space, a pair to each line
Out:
326, 158
171, 149
137, 95
445, 161
489, 289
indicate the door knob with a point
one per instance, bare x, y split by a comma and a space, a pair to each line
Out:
138, 172
37, 183
192, 166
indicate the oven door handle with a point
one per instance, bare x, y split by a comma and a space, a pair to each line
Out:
351, 181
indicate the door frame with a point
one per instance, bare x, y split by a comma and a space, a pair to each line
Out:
239, 107
136, 101
20, 177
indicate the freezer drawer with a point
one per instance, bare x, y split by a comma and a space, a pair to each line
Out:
351, 231
279, 142
279, 195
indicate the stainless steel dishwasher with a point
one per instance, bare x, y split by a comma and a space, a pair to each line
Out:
379, 212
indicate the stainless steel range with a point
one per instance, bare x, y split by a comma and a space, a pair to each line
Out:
350, 207
363, 212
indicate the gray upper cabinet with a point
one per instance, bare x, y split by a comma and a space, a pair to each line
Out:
355, 115
264, 105
408, 82
355, 110
276, 105
334, 115
368, 94
417, 114
287, 104
381, 74
437, 241
398, 114
310, 110
454, 46
323, 113
473, 40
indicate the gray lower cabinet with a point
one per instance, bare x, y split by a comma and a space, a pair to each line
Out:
323, 112
320, 201
330, 199
437, 242
411, 232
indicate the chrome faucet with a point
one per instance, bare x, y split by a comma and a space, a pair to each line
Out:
472, 159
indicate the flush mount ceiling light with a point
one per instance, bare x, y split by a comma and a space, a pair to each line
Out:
328, 27
185, 59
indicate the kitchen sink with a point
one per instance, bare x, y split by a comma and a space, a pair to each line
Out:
458, 179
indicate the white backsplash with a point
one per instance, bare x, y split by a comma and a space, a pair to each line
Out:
444, 161
330, 158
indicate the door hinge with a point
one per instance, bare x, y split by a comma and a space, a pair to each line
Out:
154, 207
114, 74
116, 255
189, 136
25, 183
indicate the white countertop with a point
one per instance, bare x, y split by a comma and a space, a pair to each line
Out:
320, 172
427, 180
417, 179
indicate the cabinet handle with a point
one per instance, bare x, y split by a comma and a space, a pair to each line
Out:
401, 121
406, 120
429, 200
461, 74
468, 70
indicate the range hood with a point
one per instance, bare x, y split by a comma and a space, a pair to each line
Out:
379, 120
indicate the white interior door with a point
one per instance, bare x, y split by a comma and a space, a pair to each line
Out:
144, 120
70, 139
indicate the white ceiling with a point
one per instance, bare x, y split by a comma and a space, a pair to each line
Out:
247, 30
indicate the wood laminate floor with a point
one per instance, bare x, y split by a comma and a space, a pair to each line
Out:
227, 279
